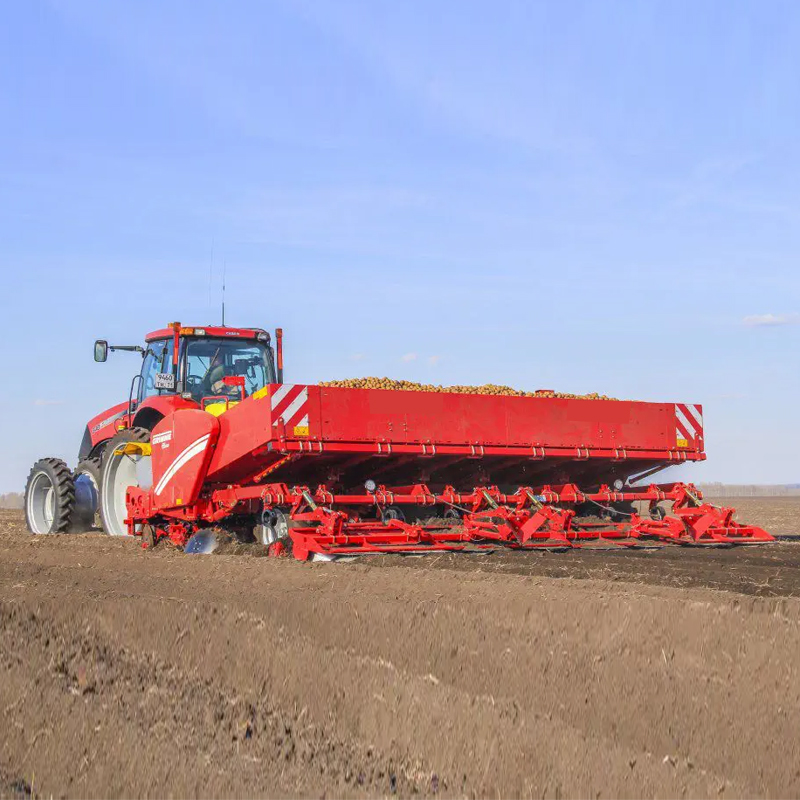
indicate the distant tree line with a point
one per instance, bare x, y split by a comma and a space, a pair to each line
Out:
748, 489
11, 500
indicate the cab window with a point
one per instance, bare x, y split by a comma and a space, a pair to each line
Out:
209, 360
157, 359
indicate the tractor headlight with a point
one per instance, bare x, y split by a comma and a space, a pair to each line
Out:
370, 485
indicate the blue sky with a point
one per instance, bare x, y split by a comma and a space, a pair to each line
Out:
586, 196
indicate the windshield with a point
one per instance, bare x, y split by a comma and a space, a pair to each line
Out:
208, 361
158, 359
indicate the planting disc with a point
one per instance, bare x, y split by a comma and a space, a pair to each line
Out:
202, 543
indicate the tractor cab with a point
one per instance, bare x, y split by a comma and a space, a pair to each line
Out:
210, 363
209, 367
207, 361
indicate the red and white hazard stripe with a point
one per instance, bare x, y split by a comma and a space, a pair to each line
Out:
688, 422
290, 402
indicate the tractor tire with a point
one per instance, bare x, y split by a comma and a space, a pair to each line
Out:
119, 472
49, 497
87, 493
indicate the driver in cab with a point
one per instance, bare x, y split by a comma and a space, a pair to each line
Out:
213, 383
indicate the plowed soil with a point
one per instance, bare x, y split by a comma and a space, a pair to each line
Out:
663, 672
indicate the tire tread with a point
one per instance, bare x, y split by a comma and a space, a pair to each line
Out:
61, 478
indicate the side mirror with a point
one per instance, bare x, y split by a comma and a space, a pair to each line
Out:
101, 350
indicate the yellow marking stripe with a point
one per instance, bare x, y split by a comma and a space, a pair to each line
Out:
219, 408
133, 449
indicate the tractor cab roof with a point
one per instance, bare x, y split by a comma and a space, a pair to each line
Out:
209, 330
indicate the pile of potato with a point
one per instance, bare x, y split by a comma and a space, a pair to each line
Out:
487, 388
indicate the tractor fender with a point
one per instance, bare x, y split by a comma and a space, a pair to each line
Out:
100, 429
153, 409
181, 448
147, 415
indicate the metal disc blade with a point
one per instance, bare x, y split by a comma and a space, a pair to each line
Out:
204, 542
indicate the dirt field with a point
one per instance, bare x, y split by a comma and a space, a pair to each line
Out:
664, 672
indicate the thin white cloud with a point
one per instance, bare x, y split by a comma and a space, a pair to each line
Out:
40, 402
434, 360
357, 357
409, 357
763, 320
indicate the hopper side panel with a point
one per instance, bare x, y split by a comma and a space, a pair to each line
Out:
360, 415
242, 429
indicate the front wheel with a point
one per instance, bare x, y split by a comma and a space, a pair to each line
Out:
49, 497
124, 465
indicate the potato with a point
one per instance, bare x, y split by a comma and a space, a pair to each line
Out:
487, 388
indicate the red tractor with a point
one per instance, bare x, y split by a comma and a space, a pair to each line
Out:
212, 438
182, 368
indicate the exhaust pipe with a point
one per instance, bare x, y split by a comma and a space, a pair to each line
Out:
279, 352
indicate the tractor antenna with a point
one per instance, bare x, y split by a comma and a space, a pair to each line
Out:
210, 273
224, 270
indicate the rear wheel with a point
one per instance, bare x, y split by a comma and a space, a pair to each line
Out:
121, 470
49, 497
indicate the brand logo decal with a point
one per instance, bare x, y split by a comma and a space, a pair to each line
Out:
163, 438
101, 425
